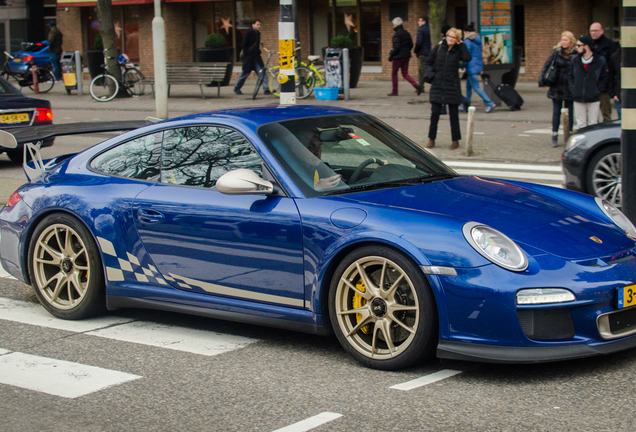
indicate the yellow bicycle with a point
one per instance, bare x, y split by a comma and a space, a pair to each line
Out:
306, 78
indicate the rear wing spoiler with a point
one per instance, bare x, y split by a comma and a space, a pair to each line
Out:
31, 137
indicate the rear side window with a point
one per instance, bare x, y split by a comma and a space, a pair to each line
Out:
137, 159
199, 155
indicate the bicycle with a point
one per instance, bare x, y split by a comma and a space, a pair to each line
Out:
305, 78
266, 70
46, 79
105, 86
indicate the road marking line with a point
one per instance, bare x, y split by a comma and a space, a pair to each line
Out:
523, 135
310, 423
194, 341
542, 131
425, 380
57, 377
522, 167
511, 174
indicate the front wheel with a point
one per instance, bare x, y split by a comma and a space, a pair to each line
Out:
603, 177
46, 81
104, 88
382, 309
304, 81
65, 268
134, 80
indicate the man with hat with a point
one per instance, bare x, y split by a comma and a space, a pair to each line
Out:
588, 78
55, 49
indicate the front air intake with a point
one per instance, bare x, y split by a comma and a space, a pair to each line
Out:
546, 324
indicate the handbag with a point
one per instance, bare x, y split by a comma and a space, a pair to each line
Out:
550, 75
429, 70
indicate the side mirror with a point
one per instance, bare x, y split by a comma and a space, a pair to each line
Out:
243, 182
7, 140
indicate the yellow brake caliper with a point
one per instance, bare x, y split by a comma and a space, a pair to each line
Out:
358, 301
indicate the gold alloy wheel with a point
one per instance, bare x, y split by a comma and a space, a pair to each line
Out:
61, 266
386, 322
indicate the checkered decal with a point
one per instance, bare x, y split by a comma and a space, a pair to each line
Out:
132, 265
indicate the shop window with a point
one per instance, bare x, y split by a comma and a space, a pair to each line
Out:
365, 30
216, 17
131, 32
126, 22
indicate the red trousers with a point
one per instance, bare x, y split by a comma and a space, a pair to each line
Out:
403, 64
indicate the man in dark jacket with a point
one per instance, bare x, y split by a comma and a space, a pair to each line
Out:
588, 78
422, 49
605, 47
400, 55
55, 49
252, 61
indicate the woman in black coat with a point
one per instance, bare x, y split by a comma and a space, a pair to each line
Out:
559, 91
445, 86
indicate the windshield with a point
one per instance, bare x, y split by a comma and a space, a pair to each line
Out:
340, 154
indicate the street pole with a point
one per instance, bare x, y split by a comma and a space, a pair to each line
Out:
628, 117
159, 50
286, 45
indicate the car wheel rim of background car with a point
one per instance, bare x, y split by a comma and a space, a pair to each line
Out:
375, 298
61, 266
606, 178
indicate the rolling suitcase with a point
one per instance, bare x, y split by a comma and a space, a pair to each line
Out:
506, 93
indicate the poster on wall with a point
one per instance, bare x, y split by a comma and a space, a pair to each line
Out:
496, 31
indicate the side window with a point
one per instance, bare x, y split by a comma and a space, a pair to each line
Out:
138, 159
199, 155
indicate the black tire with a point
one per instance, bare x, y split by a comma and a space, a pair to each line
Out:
104, 88
603, 175
404, 308
46, 81
305, 82
134, 80
65, 268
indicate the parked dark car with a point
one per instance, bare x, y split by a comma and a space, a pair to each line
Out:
18, 111
592, 161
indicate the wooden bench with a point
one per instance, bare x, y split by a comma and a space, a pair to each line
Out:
214, 74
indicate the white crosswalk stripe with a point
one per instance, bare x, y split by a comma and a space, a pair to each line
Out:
550, 175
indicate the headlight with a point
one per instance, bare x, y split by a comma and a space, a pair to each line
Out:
534, 296
616, 216
495, 246
574, 141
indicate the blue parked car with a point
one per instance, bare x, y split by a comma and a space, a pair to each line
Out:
37, 53
321, 219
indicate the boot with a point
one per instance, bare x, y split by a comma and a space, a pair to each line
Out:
431, 143
555, 139
454, 145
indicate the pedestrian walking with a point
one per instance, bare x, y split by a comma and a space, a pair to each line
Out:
400, 55
55, 49
474, 68
614, 87
588, 78
252, 61
422, 49
556, 75
603, 46
443, 64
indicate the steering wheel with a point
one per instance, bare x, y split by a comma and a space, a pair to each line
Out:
363, 165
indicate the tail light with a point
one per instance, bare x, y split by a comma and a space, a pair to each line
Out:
28, 58
13, 199
43, 114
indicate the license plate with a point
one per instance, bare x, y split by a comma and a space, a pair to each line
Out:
17, 60
627, 296
14, 118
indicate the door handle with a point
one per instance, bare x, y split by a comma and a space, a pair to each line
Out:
150, 216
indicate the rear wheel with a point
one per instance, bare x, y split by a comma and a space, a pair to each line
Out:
382, 309
65, 268
134, 80
46, 81
603, 177
104, 88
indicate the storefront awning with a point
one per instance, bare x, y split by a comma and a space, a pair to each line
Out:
67, 3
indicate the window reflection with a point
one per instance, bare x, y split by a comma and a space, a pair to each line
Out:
138, 159
198, 156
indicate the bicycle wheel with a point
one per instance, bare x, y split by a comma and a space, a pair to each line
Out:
305, 81
259, 82
104, 88
46, 81
274, 85
134, 82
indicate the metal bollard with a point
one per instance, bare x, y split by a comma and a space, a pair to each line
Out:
469, 130
34, 76
565, 123
345, 72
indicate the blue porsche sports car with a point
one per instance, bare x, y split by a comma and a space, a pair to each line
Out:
322, 219
36, 53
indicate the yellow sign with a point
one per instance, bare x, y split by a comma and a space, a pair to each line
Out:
14, 118
286, 49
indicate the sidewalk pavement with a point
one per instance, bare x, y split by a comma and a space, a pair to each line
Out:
500, 136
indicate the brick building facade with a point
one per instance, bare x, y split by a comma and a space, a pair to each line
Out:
539, 25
